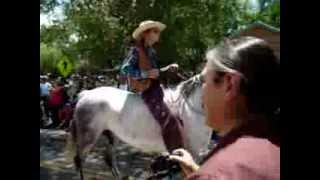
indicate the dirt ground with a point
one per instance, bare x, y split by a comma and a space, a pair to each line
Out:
55, 166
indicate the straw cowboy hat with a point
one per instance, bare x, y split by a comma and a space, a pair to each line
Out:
145, 25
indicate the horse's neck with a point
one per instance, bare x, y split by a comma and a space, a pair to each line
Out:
190, 111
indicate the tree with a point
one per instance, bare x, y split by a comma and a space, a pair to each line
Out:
102, 28
47, 6
49, 58
269, 13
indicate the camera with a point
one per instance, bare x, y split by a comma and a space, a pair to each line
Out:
162, 166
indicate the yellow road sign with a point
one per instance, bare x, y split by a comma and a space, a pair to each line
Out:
64, 66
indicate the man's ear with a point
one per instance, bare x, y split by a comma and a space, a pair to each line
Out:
230, 87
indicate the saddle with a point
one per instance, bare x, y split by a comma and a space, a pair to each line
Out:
144, 65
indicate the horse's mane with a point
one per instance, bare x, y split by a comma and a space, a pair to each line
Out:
188, 86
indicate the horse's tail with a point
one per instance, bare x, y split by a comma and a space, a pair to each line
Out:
73, 150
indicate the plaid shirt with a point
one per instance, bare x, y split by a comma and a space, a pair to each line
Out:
130, 67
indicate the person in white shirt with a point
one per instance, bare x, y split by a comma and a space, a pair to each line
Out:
45, 88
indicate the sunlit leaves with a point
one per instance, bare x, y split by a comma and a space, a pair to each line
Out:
103, 28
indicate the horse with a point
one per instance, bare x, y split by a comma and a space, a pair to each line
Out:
125, 115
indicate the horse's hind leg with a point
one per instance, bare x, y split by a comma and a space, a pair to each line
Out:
108, 151
110, 155
108, 134
85, 134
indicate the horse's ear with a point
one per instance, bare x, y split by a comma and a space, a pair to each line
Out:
198, 78
187, 87
201, 78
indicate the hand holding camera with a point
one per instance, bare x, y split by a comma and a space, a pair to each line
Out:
185, 160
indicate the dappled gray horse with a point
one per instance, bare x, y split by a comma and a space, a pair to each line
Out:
127, 117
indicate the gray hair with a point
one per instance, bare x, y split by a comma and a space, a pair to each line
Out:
256, 62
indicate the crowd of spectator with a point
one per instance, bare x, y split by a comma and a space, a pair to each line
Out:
58, 96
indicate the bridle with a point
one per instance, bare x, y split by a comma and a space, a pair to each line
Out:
197, 81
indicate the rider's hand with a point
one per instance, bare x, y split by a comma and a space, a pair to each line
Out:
173, 67
185, 160
153, 73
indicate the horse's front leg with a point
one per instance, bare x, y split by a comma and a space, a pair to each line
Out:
110, 156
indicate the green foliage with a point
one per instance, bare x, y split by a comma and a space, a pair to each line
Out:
269, 13
49, 58
48, 5
103, 28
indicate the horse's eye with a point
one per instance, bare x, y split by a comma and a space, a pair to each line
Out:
201, 79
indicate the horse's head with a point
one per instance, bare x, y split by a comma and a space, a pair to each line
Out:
198, 133
191, 90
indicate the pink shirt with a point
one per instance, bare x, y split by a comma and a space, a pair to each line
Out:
243, 158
